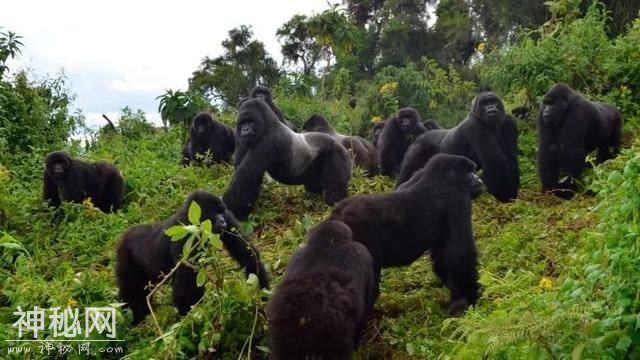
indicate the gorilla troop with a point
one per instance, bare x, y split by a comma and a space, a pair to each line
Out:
314, 160
322, 305
208, 135
396, 136
365, 155
145, 252
570, 127
431, 211
76, 180
487, 136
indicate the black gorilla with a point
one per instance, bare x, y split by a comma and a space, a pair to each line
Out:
325, 299
263, 93
365, 155
207, 134
377, 129
76, 180
431, 125
432, 211
266, 145
520, 111
395, 138
487, 136
570, 127
145, 253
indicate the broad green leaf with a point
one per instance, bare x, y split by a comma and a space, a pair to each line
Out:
201, 278
186, 249
206, 225
176, 232
194, 213
216, 242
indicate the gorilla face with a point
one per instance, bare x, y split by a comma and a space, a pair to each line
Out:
262, 93
555, 103
250, 124
489, 109
202, 123
58, 164
213, 207
408, 120
460, 170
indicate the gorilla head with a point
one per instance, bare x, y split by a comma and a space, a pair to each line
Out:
262, 93
251, 123
203, 123
408, 120
211, 206
317, 123
488, 108
555, 103
58, 165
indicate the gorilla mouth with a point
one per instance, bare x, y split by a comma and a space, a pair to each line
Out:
200, 129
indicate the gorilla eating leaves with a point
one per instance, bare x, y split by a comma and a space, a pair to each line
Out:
365, 155
76, 180
488, 136
314, 160
396, 136
145, 252
431, 211
570, 127
208, 134
264, 94
325, 299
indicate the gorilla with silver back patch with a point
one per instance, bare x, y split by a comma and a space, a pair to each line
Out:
488, 137
145, 252
314, 160
569, 128
75, 180
396, 136
431, 211
206, 134
325, 299
365, 155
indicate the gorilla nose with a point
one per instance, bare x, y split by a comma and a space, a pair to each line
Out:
200, 129
219, 222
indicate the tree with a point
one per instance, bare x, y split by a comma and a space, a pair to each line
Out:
9, 47
244, 64
177, 108
299, 45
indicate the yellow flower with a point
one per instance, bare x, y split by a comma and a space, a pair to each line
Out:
482, 46
545, 283
389, 88
71, 302
376, 119
88, 203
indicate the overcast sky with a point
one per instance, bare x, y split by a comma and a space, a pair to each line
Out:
117, 53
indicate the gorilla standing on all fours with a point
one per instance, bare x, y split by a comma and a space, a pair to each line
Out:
145, 252
322, 305
395, 138
487, 136
570, 127
314, 160
76, 180
207, 134
377, 129
365, 155
432, 211
263, 93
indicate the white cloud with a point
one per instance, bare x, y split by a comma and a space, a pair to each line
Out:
118, 53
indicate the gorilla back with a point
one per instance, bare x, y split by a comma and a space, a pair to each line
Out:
314, 160
431, 211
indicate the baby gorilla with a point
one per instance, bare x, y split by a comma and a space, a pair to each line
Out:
145, 253
322, 306
431, 211
365, 155
208, 135
76, 180
396, 137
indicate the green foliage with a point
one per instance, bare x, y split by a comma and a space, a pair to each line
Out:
177, 108
9, 47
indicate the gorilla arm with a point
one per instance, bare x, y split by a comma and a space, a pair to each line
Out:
245, 185
50, 191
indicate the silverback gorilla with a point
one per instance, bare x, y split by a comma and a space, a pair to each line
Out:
322, 305
207, 134
431, 211
365, 155
396, 136
487, 136
145, 253
570, 127
314, 160
76, 180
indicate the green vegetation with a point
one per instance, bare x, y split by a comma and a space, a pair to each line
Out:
560, 278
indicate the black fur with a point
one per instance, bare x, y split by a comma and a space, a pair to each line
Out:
314, 160
325, 299
431, 211
569, 128
395, 138
208, 134
431, 125
487, 136
264, 93
75, 180
520, 111
377, 129
145, 253
365, 155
